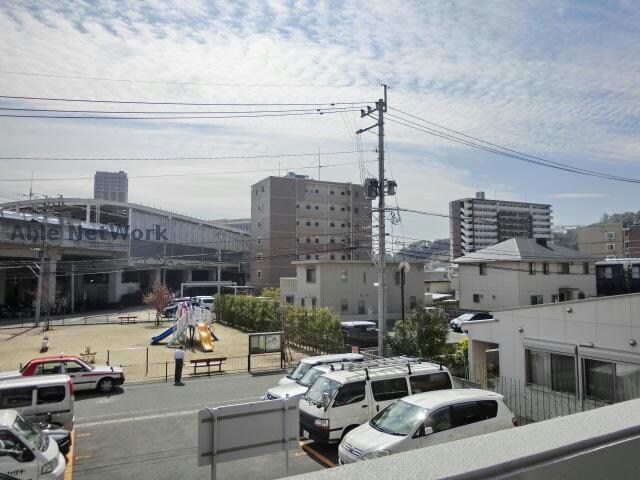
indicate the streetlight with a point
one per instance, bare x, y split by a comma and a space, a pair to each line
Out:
404, 269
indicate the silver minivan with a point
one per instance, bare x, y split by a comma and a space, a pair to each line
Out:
26, 449
306, 363
424, 420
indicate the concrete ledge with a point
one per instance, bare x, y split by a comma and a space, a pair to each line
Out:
601, 443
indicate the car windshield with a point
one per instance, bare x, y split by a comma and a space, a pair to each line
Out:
299, 371
399, 418
30, 432
465, 317
321, 385
310, 377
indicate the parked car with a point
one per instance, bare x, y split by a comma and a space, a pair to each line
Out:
456, 323
27, 450
203, 301
84, 376
360, 332
170, 310
306, 363
341, 400
426, 419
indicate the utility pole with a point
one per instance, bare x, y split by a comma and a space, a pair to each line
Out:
381, 107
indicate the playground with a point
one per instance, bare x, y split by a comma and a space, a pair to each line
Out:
130, 345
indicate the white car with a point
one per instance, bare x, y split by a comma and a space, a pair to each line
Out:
426, 419
300, 387
306, 363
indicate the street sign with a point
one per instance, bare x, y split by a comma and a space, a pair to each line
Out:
234, 432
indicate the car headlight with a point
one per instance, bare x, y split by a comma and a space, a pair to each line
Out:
376, 454
50, 467
322, 423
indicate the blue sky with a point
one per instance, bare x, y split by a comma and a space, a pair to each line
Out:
554, 79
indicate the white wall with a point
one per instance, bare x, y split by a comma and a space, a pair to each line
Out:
609, 323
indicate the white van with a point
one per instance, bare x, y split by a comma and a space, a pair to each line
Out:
426, 419
306, 363
203, 301
41, 399
300, 387
340, 401
26, 452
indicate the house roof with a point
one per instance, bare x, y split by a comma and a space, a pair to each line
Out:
523, 250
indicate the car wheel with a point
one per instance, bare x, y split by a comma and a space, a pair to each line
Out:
106, 385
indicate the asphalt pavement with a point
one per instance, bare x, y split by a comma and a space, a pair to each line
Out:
150, 432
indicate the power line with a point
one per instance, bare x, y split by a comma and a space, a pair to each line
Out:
165, 175
518, 156
199, 104
206, 84
183, 112
168, 117
156, 159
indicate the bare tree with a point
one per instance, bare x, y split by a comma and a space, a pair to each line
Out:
159, 297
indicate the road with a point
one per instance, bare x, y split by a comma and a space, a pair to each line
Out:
150, 432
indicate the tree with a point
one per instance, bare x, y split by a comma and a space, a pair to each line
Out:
158, 298
423, 334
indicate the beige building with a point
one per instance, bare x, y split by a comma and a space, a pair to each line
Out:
523, 271
437, 281
588, 348
298, 218
610, 240
350, 288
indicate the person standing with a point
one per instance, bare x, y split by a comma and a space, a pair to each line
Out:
178, 356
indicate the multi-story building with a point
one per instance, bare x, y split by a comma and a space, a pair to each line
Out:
605, 240
111, 186
299, 218
349, 288
477, 223
523, 271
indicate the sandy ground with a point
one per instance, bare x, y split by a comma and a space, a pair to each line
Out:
126, 345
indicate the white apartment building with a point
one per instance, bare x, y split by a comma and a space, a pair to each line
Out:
523, 271
111, 186
477, 223
588, 348
350, 288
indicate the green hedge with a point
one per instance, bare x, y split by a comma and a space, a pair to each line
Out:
318, 329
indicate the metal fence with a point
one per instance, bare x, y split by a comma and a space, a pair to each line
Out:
68, 320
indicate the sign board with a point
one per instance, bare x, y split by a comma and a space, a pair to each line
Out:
268, 342
234, 432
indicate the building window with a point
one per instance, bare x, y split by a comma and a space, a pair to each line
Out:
317, 240
259, 241
332, 208
298, 240
342, 225
361, 307
342, 209
259, 274
332, 224
311, 275
317, 257
262, 188
412, 302
532, 268
332, 192
611, 247
635, 272
476, 298
344, 305
302, 302
317, 207
332, 257
317, 224
298, 205
563, 268
545, 268
551, 370
259, 256
308, 207
344, 276
611, 235
356, 194
259, 207
289, 300
259, 223
585, 268
343, 257
307, 240
314, 302
332, 240
364, 277
308, 223
356, 210
308, 257
341, 193
536, 300
482, 269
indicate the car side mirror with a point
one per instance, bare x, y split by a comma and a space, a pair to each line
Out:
427, 431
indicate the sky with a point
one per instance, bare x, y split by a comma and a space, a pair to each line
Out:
554, 79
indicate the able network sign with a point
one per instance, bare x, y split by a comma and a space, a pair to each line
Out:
78, 233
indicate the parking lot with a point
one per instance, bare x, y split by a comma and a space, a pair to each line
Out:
150, 432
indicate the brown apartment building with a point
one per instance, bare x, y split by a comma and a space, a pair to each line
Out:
298, 218
610, 240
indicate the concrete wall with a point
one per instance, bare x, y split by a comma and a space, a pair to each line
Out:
509, 284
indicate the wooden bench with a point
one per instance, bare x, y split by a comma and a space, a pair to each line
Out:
127, 319
202, 362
